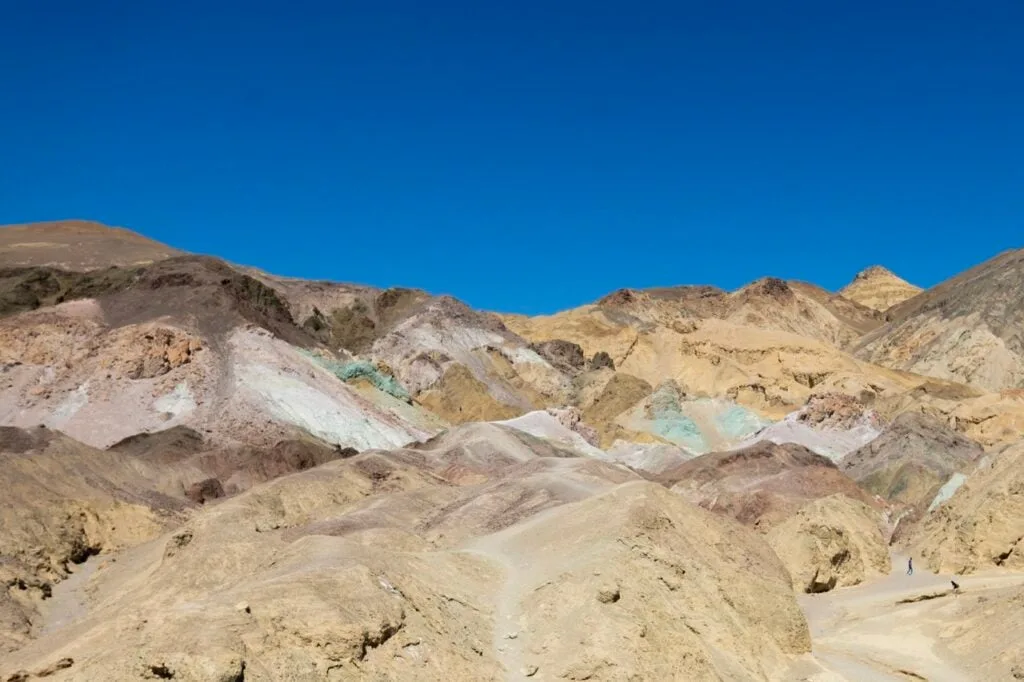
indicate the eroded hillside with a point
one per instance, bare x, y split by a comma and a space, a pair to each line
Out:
352, 482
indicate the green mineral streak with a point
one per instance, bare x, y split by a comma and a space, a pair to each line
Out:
737, 423
361, 369
670, 423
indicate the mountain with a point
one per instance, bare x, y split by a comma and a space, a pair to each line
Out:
967, 329
352, 481
187, 341
878, 289
767, 347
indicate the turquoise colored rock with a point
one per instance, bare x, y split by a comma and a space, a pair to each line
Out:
739, 423
669, 422
362, 369
947, 490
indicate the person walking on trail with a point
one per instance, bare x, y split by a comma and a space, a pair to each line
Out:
910, 566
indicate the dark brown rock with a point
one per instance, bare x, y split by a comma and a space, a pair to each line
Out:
563, 355
207, 489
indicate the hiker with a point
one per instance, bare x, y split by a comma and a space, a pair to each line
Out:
910, 566
956, 587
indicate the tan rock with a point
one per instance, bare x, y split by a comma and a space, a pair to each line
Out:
460, 398
982, 524
831, 542
878, 289
593, 582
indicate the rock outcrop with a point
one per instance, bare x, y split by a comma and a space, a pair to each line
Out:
982, 524
914, 458
878, 289
831, 542
760, 485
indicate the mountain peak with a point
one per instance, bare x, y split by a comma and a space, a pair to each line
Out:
875, 272
879, 288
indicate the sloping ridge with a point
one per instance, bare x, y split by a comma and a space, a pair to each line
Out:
77, 245
761, 484
966, 329
982, 525
912, 458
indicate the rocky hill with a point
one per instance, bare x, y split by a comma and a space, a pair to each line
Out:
448, 559
349, 481
911, 462
878, 289
982, 524
966, 329
831, 542
760, 485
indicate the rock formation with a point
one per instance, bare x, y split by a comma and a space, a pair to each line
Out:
982, 524
914, 458
878, 289
760, 485
831, 542
966, 329
378, 566
353, 482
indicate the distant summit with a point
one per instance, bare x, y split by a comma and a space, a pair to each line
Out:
878, 288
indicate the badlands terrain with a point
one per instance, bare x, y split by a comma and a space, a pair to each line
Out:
215, 473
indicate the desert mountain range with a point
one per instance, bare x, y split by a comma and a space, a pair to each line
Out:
216, 473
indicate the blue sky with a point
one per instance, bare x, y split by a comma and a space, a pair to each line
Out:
526, 156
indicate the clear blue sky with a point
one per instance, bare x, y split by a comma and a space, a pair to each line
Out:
526, 156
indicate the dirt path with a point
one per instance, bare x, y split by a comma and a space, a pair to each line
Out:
507, 642
523, 571
863, 633
67, 603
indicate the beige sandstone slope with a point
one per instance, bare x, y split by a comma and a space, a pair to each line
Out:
470, 557
62, 502
657, 338
982, 525
771, 371
831, 542
878, 289
768, 304
985, 630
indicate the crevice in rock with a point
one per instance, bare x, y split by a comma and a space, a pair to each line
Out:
161, 672
1001, 559
373, 640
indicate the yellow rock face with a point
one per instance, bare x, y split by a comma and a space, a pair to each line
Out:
982, 525
831, 542
878, 289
